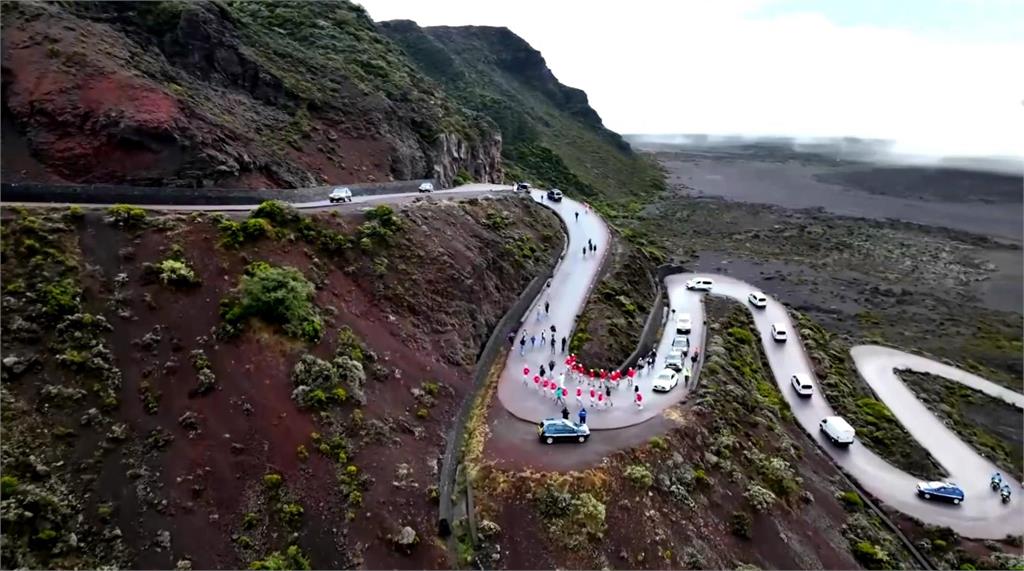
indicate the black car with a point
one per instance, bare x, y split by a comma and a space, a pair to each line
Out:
555, 195
560, 430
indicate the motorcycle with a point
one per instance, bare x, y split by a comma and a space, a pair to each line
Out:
1005, 493
995, 484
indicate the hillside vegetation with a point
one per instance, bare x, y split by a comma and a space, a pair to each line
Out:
551, 136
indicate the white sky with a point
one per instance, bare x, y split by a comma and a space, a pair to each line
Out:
940, 80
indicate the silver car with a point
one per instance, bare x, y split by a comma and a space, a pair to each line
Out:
340, 194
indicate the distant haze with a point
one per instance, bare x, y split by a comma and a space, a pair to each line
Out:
838, 148
935, 77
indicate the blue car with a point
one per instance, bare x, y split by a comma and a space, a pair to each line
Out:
560, 430
947, 491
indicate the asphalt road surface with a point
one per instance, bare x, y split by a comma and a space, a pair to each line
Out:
981, 515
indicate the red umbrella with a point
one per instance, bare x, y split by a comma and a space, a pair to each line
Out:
526, 371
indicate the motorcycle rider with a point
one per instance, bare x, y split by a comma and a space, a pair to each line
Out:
1005, 491
996, 481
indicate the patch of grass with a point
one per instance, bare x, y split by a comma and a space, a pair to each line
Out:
177, 273
273, 481
851, 500
278, 295
989, 424
573, 519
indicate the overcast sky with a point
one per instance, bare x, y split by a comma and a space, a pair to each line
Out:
936, 76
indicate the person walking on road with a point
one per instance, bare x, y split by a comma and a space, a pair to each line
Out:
533, 342
563, 344
583, 416
600, 400
552, 344
542, 371
639, 400
584, 251
565, 413
553, 329
559, 400
547, 308
512, 338
551, 366
577, 215
608, 395
522, 345
579, 395
593, 395
543, 340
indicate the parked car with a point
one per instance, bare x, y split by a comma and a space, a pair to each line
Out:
683, 323
340, 194
681, 342
553, 430
757, 299
555, 195
779, 332
802, 385
837, 430
674, 360
427, 187
665, 381
947, 491
700, 284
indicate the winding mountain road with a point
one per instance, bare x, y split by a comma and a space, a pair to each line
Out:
981, 515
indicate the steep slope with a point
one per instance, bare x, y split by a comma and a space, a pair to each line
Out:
195, 389
551, 134
224, 93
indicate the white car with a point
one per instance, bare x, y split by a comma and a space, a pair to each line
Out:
682, 343
675, 360
802, 385
340, 194
684, 323
700, 284
427, 187
757, 299
779, 332
837, 430
666, 381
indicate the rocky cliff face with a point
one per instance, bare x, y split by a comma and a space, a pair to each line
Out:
245, 94
550, 133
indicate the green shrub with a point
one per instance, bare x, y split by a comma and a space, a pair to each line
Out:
658, 443
74, 213
272, 481
422, 413
249, 520
8, 485
349, 345
462, 177
640, 475
280, 213
740, 524
255, 228
62, 298
177, 273
431, 388
355, 498
291, 513
851, 500
292, 558
278, 295
872, 556
301, 452
126, 216
760, 498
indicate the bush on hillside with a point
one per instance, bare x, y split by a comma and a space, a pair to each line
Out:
280, 296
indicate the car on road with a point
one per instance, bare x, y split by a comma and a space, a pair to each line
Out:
553, 430
522, 186
555, 195
758, 299
675, 359
681, 342
837, 430
700, 284
684, 323
802, 385
665, 381
340, 194
427, 187
779, 332
947, 491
